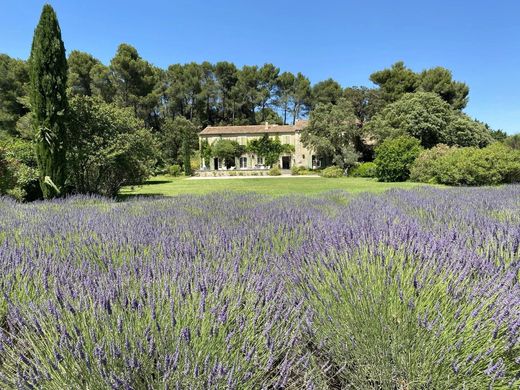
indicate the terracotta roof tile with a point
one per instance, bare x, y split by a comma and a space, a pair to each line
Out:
254, 129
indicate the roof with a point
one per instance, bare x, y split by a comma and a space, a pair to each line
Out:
254, 129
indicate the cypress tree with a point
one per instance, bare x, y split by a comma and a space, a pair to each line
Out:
48, 73
186, 152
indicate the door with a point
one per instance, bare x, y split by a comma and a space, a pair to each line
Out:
286, 162
216, 163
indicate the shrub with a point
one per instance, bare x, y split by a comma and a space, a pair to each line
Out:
275, 171
7, 172
395, 156
306, 171
299, 170
109, 147
506, 161
160, 170
18, 173
332, 171
425, 167
513, 141
175, 170
195, 162
367, 169
495, 164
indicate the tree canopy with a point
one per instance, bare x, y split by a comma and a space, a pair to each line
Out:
14, 79
332, 132
81, 74
395, 82
327, 91
134, 80
399, 80
179, 136
440, 81
425, 116
366, 102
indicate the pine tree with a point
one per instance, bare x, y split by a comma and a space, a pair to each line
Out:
48, 73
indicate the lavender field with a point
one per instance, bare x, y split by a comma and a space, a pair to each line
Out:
410, 289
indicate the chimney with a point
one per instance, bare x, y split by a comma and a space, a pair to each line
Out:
266, 125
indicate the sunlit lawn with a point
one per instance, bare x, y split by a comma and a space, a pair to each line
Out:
171, 186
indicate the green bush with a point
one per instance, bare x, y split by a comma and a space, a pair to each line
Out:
367, 169
175, 170
195, 162
109, 147
7, 172
306, 171
18, 173
425, 167
332, 171
513, 141
275, 171
300, 170
159, 170
395, 156
495, 164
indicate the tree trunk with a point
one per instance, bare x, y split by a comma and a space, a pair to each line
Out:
223, 108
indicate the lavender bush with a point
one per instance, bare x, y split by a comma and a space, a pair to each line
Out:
406, 290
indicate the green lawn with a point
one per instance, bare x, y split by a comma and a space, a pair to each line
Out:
170, 186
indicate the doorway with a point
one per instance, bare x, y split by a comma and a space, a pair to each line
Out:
286, 162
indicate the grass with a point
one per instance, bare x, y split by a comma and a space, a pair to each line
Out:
171, 186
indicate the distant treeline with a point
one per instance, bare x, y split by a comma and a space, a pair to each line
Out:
221, 93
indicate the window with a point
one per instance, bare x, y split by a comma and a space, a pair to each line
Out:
259, 160
243, 162
303, 156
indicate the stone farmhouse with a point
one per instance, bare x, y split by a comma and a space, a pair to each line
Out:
287, 134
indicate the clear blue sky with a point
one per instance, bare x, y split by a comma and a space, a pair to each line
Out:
346, 40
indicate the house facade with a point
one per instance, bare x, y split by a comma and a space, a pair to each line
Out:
287, 134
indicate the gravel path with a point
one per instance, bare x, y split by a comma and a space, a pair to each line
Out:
249, 177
